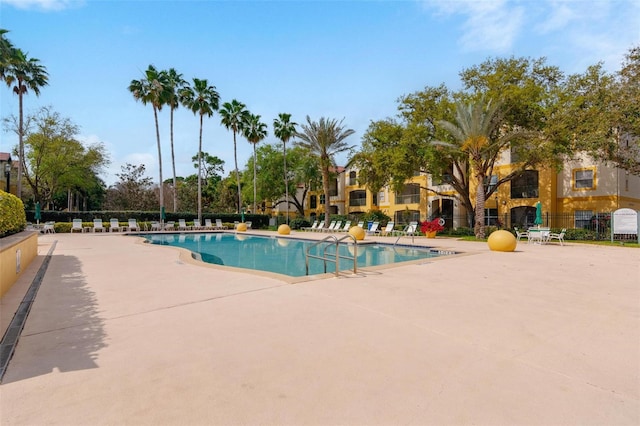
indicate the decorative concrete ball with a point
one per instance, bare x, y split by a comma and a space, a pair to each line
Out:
242, 227
357, 232
284, 229
502, 241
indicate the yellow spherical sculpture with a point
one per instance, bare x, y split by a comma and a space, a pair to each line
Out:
357, 232
502, 241
284, 229
241, 227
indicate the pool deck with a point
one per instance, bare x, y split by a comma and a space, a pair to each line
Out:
133, 334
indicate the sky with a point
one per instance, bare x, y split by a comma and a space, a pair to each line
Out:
345, 60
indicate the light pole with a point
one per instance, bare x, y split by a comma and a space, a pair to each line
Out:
7, 173
497, 212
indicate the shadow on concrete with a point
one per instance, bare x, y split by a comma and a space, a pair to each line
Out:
63, 331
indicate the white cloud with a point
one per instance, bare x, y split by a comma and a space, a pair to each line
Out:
46, 5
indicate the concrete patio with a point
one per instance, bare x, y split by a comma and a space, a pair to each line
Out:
128, 333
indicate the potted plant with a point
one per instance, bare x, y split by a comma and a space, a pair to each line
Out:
430, 228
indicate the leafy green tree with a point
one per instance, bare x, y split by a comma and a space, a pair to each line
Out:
57, 164
284, 129
211, 170
6, 52
254, 132
152, 89
174, 86
203, 100
22, 74
324, 139
234, 117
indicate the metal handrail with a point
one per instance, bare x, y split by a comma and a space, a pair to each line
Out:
325, 256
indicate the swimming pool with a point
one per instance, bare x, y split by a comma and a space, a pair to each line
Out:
285, 255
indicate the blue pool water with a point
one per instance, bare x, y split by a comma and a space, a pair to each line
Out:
284, 255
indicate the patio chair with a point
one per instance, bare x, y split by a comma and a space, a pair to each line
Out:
312, 227
408, 230
219, 224
133, 225
114, 225
336, 226
97, 225
388, 230
49, 228
557, 236
182, 225
196, 225
521, 234
329, 228
361, 224
248, 223
156, 226
170, 226
374, 229
320, 227
77, 225
207, 224
346, 227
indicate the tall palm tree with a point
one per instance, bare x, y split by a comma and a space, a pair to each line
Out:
22, 74
202, 99
324, 139
175, 84
152, 89
255, 131
284, 129
234, 116
476, 134
6, 52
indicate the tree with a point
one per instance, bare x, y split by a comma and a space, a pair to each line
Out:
211, 168
6, 52
234, 117
284, 129
22, 74
203, 100
152, 89
134, 191
324, 139
254, 131
175, 84
57, 164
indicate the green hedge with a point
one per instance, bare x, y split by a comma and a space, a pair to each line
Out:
12, 214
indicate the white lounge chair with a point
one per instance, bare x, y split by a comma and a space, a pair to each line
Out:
312, 227
410, 229
329, 228
208, 224
248, 223
219, 224
114, 225
336, 226
196, 225
374, 229
361, 224
388, 230
557, 236
77, 225
97, 225
170, 226
49, 228
521, 234
346, 227
182, 225
133, 225
156, 226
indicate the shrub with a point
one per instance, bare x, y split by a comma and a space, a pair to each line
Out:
375, 216
298, 223
12, 215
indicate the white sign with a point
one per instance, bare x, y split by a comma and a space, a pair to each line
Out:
625, 221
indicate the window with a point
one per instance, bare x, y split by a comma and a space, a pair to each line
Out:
352, 178
446, 178
490, 217
322, 199
358, 198
381, 196
313, 201
410, 194
525, 185
582, 218
490, 182
583, 179
333, 188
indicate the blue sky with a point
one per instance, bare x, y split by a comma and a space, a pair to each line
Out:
337, 59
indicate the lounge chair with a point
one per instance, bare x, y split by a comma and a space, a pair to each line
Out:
170, 226
97, 225
77, 225
182, 225
374, 229
156, 226
219, 224
521, 234
327, 229
361, 224
388, 230
49, 228
248, 223
133, 225
557, 236
345, 228
336, 226
196, 224
208, 224
114, 225
312, 227
410, 229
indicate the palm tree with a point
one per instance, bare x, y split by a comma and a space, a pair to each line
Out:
255, 131
476, 134
152, 89
24, 74
202, 99
324, 139
234, 116
284, 129
175, 84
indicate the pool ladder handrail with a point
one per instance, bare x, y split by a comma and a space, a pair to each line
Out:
338, 256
